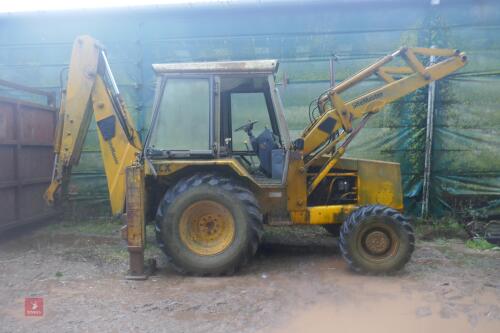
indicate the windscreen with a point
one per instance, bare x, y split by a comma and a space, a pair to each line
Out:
183, 121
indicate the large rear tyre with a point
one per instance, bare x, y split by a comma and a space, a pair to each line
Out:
376, 240
208, 225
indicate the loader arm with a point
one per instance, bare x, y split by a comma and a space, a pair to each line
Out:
91, 88
331, 132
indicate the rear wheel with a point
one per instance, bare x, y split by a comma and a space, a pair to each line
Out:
208, 225
376, 239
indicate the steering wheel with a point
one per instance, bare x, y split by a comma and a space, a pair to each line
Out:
247, 127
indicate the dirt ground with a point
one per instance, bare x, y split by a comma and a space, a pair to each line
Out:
297, 283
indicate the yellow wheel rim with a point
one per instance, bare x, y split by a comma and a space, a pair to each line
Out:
207, 228
377, 242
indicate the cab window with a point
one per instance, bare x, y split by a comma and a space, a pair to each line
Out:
183, 121
246, 107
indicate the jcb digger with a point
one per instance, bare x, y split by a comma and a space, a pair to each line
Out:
218, 161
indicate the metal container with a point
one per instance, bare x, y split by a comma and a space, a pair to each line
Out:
26, 157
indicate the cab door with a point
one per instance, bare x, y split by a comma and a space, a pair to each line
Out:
183, 123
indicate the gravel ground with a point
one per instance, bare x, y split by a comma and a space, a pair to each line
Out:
297, 283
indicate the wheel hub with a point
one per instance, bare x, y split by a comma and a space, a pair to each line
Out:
377, 242
210, 227
207, 227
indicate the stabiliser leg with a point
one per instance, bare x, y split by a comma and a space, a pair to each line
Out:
134, 231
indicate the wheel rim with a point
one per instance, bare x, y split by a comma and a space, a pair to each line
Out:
207, 227
377, 241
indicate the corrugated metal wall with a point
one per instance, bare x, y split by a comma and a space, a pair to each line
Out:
26, 157
465, 169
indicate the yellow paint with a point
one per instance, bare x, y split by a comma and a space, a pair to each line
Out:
415, 77
86, 85
385, 195
296, 188
72, 126
325, 170
299, 217
117, 153
343, 111
207, 228
377, 182
329, 214
169, 167
136, 202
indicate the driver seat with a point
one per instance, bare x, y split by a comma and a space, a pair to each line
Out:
267, 151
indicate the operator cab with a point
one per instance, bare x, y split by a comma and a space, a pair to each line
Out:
248, 125
220, 110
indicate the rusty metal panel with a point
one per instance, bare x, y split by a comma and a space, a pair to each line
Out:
26, 155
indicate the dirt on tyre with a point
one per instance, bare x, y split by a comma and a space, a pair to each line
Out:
208, 224
376, 240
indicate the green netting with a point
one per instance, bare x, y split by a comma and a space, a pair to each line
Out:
465, 156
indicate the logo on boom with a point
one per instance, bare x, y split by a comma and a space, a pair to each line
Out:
367, 99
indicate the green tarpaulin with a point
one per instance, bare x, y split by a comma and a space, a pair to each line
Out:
465, 173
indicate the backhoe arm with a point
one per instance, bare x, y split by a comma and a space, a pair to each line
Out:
91, 88
333, 127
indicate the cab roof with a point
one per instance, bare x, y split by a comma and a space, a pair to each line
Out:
218, 67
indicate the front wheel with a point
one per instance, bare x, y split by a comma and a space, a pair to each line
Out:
208, 225
376, 239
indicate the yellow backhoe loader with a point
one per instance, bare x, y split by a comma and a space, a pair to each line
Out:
218, 162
